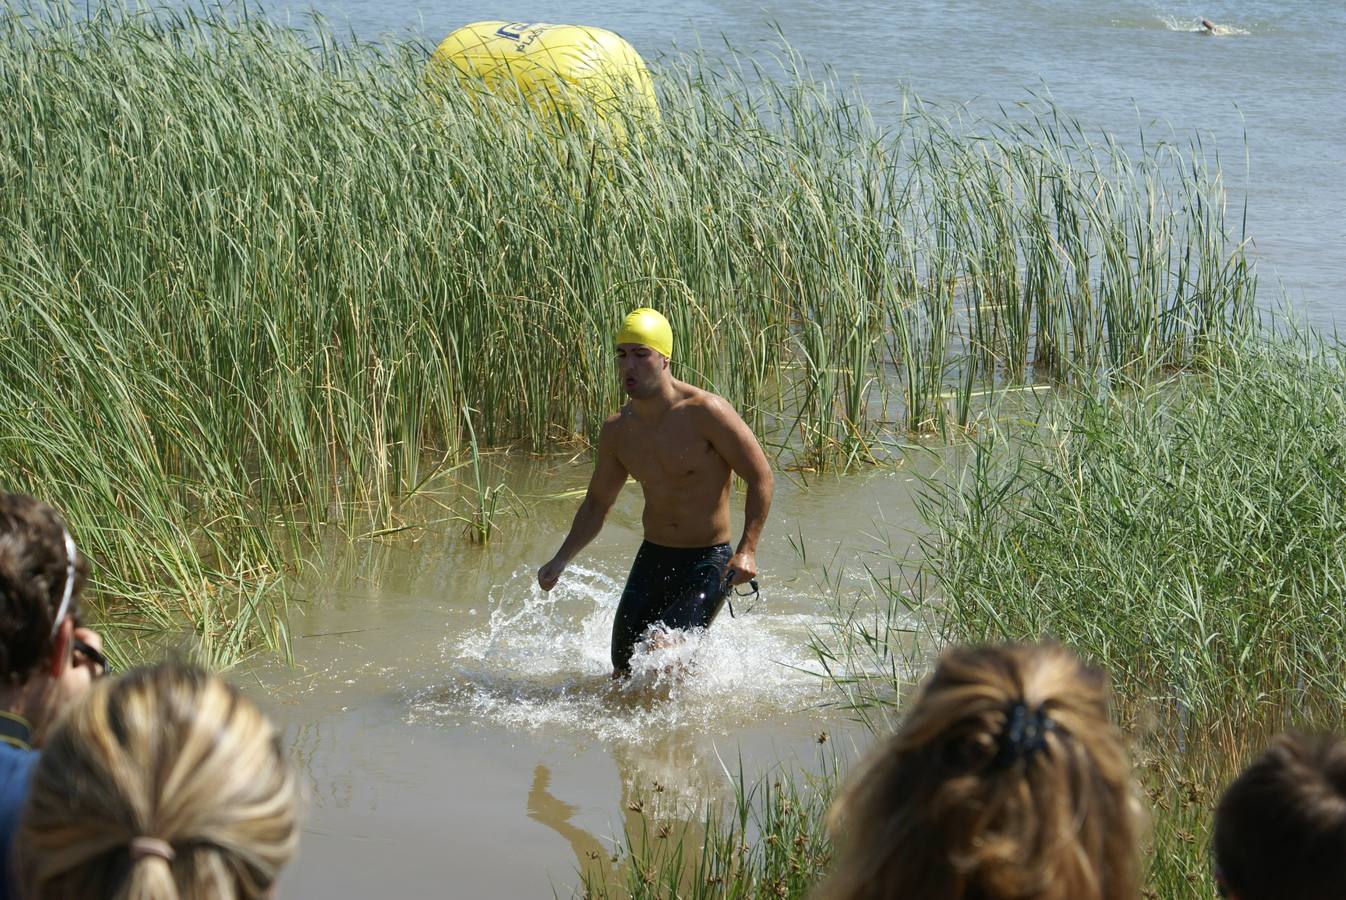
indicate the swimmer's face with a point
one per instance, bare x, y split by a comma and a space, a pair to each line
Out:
640, 369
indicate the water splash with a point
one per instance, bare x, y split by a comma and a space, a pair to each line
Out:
1189, 25
541, 662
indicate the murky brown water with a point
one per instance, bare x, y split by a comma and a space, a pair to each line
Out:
457, 730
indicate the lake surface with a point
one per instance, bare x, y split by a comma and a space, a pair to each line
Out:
457, 730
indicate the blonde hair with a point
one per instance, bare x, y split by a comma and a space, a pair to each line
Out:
1007, 781
173, 755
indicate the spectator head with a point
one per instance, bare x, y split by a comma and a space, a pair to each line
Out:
42, 576
164, 783
1280, 829
1006, 780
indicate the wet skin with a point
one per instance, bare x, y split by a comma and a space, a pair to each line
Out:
682, 444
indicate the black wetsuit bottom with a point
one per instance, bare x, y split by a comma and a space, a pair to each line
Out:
681, 587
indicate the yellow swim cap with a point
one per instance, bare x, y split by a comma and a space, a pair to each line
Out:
645, 326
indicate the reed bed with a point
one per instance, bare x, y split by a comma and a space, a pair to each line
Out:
256, 280
1184, 534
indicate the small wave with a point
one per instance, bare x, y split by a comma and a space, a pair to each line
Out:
1194, 26
542, 662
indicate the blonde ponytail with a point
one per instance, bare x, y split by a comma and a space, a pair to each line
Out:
151, 878
1006, 781
163, 784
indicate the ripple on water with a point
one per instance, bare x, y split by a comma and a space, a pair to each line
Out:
542, 662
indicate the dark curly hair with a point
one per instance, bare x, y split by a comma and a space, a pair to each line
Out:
1280, 830
33, 567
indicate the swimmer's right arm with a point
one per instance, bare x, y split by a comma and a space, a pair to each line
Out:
607, 481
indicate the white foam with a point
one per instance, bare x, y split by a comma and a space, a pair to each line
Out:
542, 662
1174, 23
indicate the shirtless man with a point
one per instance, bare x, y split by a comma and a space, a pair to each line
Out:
682, 444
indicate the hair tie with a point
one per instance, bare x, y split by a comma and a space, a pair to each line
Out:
142, 847
1025, 734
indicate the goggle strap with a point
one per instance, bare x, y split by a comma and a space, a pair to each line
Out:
69, 581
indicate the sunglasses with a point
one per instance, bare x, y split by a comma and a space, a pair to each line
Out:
92, 655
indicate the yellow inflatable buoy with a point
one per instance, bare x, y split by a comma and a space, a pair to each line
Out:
565, 72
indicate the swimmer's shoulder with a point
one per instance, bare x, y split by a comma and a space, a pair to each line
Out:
614, 437
611, 435
613, 426
703, 404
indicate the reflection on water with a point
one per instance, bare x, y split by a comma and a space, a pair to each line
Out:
590, 854
672, 780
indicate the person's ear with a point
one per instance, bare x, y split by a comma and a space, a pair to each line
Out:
60, 648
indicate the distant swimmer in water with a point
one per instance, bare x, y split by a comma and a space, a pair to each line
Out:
682, 444
1210, 27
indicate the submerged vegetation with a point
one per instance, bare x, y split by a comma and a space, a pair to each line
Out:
252, 278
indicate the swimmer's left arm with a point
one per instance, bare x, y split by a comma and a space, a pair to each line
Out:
733, 440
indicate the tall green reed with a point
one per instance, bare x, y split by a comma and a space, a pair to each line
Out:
1184, 534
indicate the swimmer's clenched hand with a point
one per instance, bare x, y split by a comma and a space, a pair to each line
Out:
548, 575
744, 565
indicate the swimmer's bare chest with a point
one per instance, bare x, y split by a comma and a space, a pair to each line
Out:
684, 478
